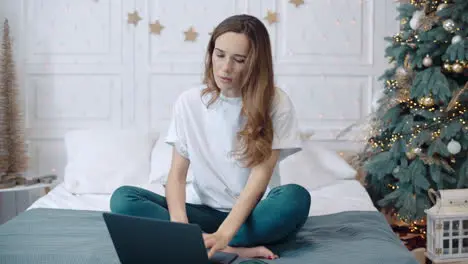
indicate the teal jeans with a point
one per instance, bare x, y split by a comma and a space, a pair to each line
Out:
277, 217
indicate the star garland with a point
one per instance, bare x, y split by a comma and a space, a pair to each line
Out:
191, 35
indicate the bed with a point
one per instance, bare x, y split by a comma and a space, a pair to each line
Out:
343, 227
66, 225
346, 195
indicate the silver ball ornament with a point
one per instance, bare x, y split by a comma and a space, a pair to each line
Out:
441, 6
449, 25
454, 147
427, 61
456, 39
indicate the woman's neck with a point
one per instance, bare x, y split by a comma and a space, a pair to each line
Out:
231, 93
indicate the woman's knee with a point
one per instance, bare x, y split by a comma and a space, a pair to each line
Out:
298, 199
121, 199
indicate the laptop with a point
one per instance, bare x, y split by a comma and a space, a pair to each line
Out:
145, 240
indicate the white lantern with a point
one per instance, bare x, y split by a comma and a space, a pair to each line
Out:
447, 226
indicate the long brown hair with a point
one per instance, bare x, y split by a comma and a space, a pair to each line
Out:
257, 87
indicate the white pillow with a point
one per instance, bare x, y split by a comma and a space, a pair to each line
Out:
314, 167
161, 157
99, 161
332, 161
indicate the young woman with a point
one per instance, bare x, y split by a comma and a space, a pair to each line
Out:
232, 132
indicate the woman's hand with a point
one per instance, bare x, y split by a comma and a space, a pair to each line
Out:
216, 241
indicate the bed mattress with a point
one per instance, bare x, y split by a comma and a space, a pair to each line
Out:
65, 228
345, 195
56, 236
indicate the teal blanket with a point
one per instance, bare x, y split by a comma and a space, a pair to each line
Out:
78, 237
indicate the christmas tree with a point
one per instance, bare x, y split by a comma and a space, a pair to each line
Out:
13, 158
419, 132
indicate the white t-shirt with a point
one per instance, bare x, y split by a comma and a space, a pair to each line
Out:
207, 136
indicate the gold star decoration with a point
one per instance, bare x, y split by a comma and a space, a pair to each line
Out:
297, 3
272, 17
191, 34
156, 27
134, 18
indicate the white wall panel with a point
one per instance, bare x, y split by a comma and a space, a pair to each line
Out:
70, 31
74, 101
326, 32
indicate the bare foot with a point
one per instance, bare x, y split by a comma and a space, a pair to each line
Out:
253, 252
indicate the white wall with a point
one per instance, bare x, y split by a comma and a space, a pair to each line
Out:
82, 66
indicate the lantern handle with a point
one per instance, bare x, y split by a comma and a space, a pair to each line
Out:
433, 195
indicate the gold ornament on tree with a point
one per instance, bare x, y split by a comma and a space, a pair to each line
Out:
426, 101
13, 158
447, 67
457, 68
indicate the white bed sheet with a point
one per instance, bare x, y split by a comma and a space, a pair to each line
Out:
345, 195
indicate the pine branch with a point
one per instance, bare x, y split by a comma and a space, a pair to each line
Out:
456, 96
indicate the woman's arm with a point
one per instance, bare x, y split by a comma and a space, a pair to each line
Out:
175, 188
253, 192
